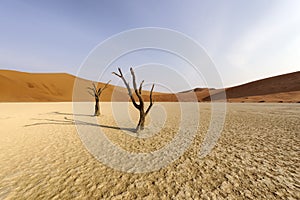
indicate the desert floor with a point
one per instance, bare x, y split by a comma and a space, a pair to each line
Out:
256, 157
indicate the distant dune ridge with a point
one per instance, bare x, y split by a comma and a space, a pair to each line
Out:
58, 87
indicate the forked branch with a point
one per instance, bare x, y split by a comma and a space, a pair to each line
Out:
128, 87
141, 87
134, 86
101, 89
151, 101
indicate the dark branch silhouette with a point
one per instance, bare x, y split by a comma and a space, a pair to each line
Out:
96, 93
138, 92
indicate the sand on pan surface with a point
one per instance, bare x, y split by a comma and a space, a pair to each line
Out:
256, 157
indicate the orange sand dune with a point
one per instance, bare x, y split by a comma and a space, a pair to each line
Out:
19, 86
55, 87
282, 88
51, 87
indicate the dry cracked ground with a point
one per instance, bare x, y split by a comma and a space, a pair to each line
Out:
256, 157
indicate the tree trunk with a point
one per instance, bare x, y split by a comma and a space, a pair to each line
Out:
96, 94
97, 107
141, 123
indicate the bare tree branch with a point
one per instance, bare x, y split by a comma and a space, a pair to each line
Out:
135, 87
91, 88
91, 93
128, 88
99, 91
105, 86
141, 87
119, 75
95, 88
151, 101
116, 74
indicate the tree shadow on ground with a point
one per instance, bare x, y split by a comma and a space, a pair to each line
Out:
61, 113
67, 121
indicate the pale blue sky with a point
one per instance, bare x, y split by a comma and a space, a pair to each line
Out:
247, 40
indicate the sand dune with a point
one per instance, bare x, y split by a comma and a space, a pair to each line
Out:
283, 88
58, 87
50, 87
19, 86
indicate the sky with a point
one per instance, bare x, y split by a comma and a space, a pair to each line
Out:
246, 40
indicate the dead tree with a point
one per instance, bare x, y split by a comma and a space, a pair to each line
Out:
96, 93
138, 92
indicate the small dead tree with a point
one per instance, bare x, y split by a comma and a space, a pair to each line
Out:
138, 92
96, 93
